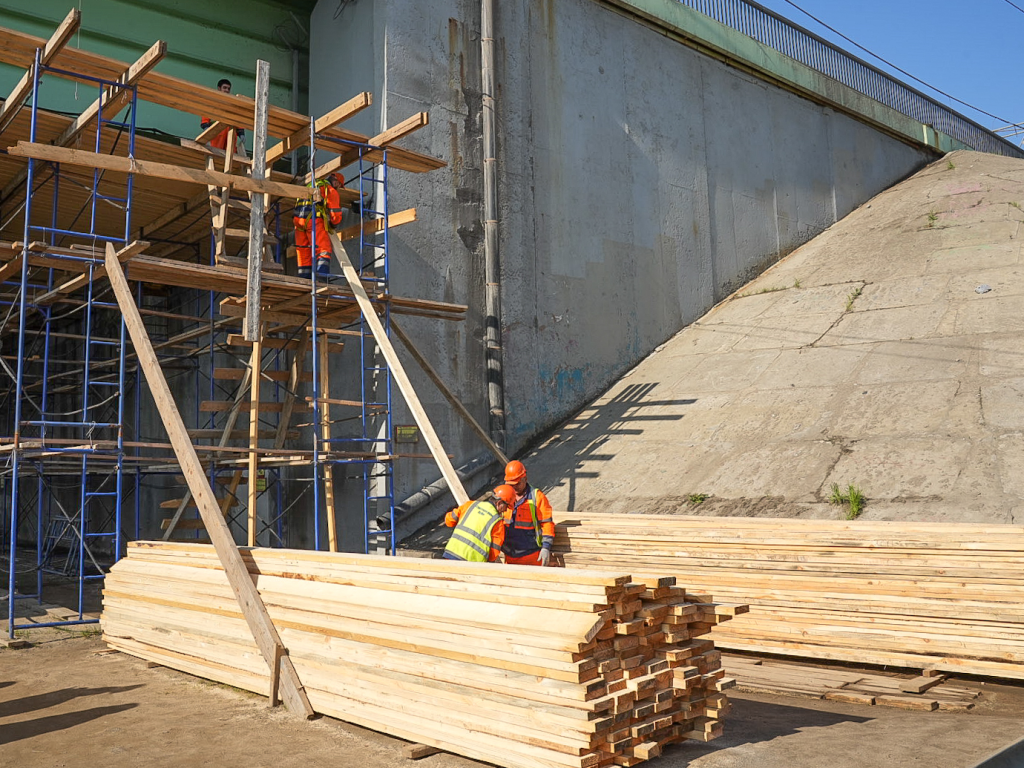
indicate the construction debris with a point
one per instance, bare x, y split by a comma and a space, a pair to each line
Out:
522, 667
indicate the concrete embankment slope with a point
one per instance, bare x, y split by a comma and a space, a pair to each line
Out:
872, 356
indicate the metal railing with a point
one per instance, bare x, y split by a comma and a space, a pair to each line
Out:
774, 31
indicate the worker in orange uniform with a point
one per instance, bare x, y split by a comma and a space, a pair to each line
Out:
479, 527
220, 141
529, 526
328, 214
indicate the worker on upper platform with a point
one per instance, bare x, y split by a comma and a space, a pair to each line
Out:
479, 527
529, 526
328, 214
220, 141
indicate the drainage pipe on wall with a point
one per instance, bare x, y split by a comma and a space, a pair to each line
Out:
492, 261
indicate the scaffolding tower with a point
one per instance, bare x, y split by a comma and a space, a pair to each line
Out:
84, 453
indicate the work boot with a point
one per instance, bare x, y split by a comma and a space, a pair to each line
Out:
306, 272
323, 267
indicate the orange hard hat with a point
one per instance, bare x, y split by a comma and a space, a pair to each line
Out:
506, 493
338, 178
514, 472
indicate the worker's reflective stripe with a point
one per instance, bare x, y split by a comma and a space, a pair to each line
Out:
531, 500
471, 543
471, 539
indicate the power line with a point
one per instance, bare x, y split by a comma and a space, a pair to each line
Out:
1015, 6
902, 71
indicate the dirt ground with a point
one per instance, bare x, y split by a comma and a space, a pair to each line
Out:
65, 705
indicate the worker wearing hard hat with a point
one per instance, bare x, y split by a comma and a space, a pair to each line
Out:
328, 215
479, 527
529, 527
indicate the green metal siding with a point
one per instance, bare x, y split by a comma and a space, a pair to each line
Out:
206, 40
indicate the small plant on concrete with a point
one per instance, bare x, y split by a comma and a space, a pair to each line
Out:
853, 297
852, 497
1016, 205
932, 218
796, 283
697, 498
950, 166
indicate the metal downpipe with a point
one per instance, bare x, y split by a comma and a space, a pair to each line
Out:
492, 261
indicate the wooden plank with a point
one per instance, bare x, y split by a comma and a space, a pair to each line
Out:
256, 365
383, 139
296, 374
323, 366
300, 138
254, 277
435, 377
398, 371
23, 88
257, 619
156, 170
210, 132
419, 751
374, 226
921, 684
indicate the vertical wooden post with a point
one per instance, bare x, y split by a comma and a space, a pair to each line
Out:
254, 274
249, 600
325, 435
256, 363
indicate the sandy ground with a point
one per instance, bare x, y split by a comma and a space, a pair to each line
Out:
65, 704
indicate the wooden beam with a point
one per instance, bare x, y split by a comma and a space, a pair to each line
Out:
398, 371
23, 88
448, 394
249, 600
109, 104
382, 139
9, 269
325, 435
113, 100
72, 285
300, 138
255, 365
373, 226
157, 170
254, 274
210, 131
181, 209
295, 375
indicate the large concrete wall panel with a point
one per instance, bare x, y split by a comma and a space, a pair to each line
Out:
640, 182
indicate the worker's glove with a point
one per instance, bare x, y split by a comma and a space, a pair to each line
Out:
545, 557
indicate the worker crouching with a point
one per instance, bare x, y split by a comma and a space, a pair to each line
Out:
479, 527
529, 525
327, 203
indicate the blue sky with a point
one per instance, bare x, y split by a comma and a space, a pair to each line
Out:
971, 49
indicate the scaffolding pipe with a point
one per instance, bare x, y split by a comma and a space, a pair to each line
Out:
492, 259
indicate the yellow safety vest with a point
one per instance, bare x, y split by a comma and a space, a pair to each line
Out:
471, 539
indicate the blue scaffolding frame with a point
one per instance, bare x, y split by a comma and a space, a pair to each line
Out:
76, 434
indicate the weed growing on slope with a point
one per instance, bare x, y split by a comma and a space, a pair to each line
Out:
950, 166
932, 218
1016, 205
697, 498
796, 283
852, 497
853, 297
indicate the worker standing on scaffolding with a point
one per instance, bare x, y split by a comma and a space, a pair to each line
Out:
220, 141
329, 212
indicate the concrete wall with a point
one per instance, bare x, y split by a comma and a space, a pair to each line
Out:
640, 183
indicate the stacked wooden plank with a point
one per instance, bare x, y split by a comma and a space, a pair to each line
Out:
512, 665
920, 595
848, 686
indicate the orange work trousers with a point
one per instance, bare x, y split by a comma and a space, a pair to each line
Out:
531, 559
324, 249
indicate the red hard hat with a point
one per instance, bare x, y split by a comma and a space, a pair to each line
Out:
338, 178
514, 472
506, 493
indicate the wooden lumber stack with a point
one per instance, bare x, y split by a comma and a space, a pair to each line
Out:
517, 666
920, 595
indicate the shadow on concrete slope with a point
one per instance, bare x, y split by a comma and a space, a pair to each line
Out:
887, 353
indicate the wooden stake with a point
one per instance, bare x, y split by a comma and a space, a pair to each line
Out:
254, 434
249, 600
325, 435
